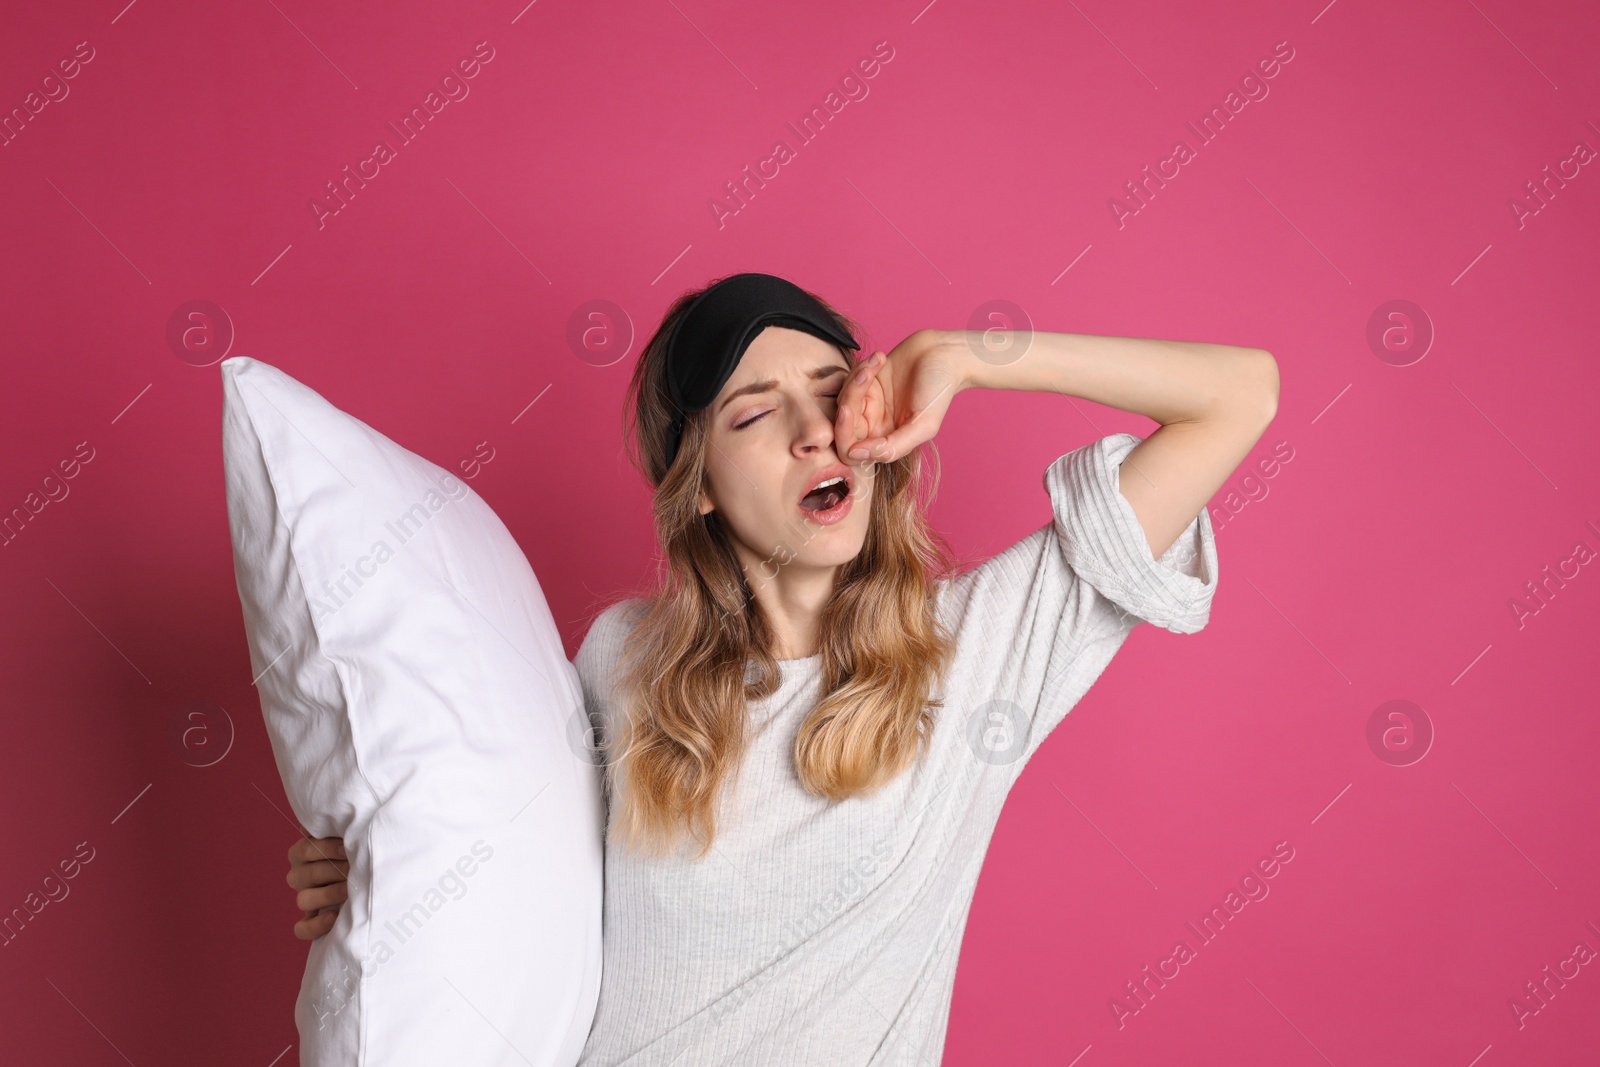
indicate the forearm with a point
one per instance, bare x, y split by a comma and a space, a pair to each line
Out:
1168, 381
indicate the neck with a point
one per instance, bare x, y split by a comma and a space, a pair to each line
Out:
793, 596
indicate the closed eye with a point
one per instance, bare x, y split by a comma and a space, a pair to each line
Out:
764, 414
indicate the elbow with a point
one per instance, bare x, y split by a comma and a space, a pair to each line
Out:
1244, 389
1260, 391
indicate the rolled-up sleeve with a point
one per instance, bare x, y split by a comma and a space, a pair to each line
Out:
1036, 624
1102, 542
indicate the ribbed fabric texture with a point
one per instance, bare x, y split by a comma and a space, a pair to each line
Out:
820, 933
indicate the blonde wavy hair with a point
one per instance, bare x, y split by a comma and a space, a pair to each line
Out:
685, 680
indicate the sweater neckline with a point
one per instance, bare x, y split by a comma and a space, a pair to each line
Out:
802, 665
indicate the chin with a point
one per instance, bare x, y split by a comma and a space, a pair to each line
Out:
833, 549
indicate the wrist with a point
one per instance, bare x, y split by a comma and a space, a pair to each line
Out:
977, 354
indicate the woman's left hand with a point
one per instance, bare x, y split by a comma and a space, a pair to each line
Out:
893, 403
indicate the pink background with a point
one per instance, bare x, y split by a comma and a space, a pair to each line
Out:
1380, 562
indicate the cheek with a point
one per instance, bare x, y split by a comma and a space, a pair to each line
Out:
869, 493
744, 498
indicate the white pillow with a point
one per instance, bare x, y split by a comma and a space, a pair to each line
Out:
418, 699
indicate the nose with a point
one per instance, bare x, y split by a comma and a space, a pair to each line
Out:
815, 430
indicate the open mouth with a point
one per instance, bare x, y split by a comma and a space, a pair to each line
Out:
826, 496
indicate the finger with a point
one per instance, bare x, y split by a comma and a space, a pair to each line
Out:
327, 896
309, 929
871, 447
322, 872
898, 443
309, 853
852, 398
844, 425
921, 426
871, 414
308, 849
880, 449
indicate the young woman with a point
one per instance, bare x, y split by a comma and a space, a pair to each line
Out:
809, 728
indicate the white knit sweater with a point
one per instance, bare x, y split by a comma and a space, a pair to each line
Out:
820, 933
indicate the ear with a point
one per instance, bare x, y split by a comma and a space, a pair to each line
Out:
706, 506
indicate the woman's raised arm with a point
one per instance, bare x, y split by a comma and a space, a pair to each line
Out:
1213, 403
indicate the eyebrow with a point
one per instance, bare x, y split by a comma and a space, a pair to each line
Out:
817, 374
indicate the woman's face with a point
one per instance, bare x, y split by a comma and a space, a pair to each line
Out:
770, 440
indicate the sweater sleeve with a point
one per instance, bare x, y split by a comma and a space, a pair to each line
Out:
1036, 624
597, 662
